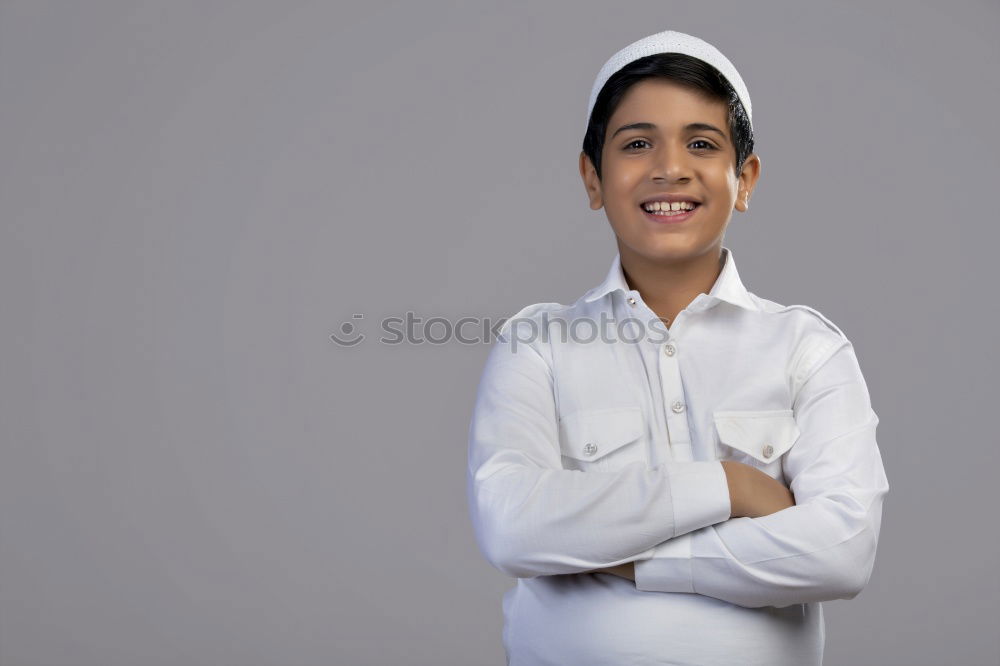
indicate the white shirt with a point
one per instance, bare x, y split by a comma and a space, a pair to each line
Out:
588, 455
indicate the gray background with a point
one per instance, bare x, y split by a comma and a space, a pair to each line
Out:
194, 195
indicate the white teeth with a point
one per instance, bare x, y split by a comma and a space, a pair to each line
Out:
655, 206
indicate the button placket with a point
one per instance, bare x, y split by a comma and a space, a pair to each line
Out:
678, 430
673, 397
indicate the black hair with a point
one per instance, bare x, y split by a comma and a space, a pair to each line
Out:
679, 68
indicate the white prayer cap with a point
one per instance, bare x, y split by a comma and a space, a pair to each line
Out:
671, 41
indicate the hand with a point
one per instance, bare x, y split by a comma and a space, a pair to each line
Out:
753, 493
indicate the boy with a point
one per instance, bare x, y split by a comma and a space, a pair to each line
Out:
689, 477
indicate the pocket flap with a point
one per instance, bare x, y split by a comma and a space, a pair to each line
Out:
764, 435
592, 434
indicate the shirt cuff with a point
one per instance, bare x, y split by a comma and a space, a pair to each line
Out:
700, 495
669, 568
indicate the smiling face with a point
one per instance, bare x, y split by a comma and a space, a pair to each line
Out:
665, 141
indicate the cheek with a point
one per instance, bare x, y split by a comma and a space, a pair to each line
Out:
727, 183
617, 197
624, 174
620, 187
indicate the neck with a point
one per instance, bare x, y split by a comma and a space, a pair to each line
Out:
668, 287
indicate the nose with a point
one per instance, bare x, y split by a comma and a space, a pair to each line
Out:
671, 164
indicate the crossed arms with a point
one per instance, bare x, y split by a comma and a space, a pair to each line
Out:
756, 547
752, 494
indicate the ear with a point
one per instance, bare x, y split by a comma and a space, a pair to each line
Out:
746, 181
591, 182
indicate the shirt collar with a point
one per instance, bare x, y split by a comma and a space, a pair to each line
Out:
728, 287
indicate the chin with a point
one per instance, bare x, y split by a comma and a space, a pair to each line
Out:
664, 249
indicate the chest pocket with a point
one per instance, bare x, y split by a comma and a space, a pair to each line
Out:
602, 439
758, 438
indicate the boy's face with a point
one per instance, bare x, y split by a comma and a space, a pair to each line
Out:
668, 156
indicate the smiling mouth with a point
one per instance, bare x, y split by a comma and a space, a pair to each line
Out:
670, 215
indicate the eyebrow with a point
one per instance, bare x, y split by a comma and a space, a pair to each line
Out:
704, 127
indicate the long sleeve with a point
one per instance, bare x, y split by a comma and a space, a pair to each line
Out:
532, 517
824, 547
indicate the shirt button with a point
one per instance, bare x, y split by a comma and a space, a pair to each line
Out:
631, 300
768, 450
678, 407
590, 449
670, 350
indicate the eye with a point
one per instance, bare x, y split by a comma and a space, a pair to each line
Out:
709, 145
629, 145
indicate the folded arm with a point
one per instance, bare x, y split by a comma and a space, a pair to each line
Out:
752, 493
821, 549
532, 517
